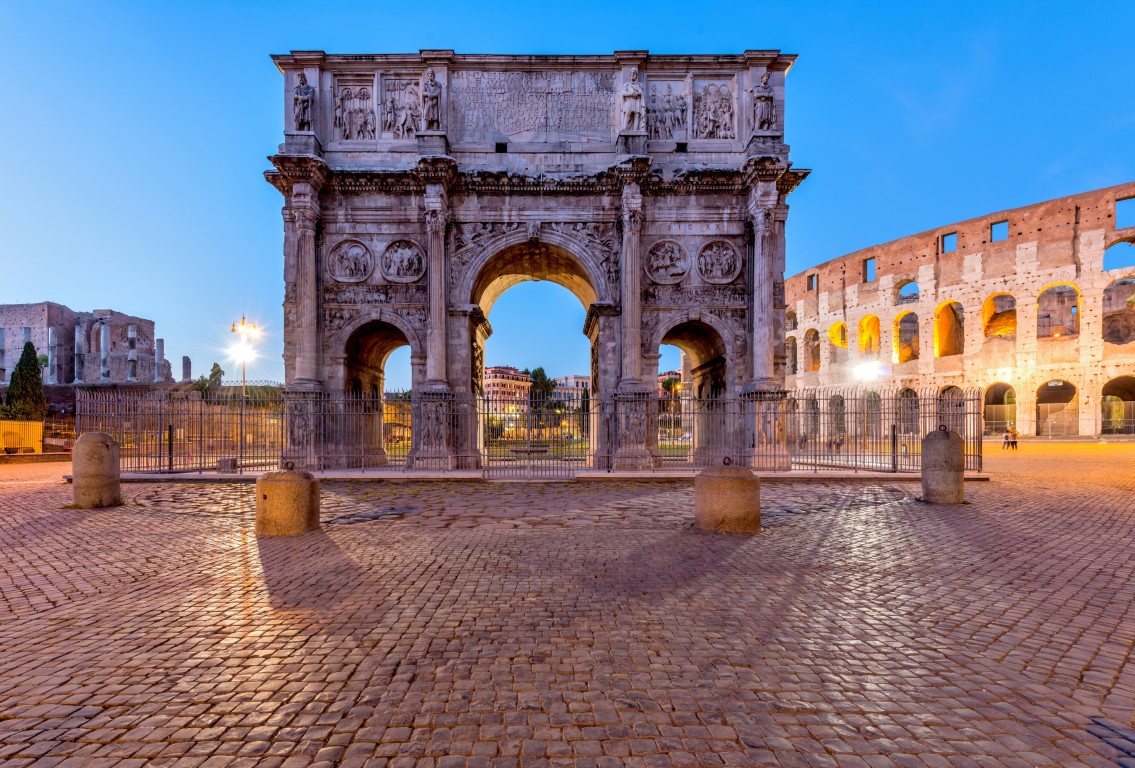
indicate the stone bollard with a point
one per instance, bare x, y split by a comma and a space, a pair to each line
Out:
943, 467
95, 471
727, 499
287, 503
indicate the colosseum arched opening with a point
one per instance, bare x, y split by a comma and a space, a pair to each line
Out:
790, 323
999, 316
791, 360
906, 338
1000, 408
1057, 412
811, 350
837, 337
1058, 312
1118, 406
906, 292
949, 330
1119, 312
869, 335
1119, 255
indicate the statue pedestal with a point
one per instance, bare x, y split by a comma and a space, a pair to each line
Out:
766, 144
433, 143
301, 143
631, 143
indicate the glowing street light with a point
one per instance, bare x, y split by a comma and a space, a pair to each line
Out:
242, 351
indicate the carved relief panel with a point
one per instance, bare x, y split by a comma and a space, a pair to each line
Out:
667, 110
354, 118
350, 262
403, 261
714, 112
666, 262
401, 107
718, 262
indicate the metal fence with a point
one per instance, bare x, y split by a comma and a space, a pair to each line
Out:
1117, 417
222, 429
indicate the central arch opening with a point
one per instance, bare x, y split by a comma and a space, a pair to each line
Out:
533, 368
1057, 412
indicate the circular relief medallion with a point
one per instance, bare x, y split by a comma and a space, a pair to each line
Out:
666, 262
403, 262
718, 262
350, 262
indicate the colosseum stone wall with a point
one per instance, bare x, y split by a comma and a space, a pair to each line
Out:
1017, 303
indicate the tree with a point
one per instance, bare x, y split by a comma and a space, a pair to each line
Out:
204, 384
542, 386
26, 398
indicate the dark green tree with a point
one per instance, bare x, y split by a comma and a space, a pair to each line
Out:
206, 383
26, 398
542, 386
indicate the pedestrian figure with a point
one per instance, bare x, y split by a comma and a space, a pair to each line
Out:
1005, 439
1013, 435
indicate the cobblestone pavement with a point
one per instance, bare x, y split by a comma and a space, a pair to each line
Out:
450, 624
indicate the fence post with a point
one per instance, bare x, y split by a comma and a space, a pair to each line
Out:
169, 444
894, 448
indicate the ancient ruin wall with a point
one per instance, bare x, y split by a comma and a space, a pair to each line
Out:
1055, 243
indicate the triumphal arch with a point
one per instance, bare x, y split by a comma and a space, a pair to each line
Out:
419, 187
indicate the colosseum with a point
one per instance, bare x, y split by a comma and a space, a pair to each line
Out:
1035, 306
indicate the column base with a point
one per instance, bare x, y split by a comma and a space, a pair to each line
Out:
301, 143
631, 143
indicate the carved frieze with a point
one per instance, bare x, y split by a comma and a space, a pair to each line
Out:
531, 106
667, 110
713, 110
666, 262
465, 235
719, 262
401, 108
350, 262
366, 293
693, 295
403, 261
354, 111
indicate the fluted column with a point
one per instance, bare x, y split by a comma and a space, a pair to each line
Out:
631, 297
763, 316
436, 337
304, 218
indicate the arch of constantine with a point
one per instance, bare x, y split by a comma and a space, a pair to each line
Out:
1025, 304
419, 187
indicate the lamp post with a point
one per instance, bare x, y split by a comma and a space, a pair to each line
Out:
243, 351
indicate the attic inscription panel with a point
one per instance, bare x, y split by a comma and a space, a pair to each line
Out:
531, 106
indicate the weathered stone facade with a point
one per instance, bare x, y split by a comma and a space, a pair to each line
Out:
1031, 313
99, 347
419, 187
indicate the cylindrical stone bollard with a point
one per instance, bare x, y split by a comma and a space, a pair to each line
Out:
96, 471
943, 467
728, 500
287, 503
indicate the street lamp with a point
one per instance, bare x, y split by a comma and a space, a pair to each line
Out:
242, 351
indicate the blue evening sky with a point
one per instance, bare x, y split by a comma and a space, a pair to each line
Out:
134, 135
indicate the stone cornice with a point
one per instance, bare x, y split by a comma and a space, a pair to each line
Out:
732, 181
595, 311
296, 168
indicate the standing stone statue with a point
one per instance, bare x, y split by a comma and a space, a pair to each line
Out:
632, 104
764, 108
301, 104
431, 97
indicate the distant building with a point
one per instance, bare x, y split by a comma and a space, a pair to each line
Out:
571, 387
505, 384
663, 378
99, 347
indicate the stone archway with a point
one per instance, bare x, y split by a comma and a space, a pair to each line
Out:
505, 261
